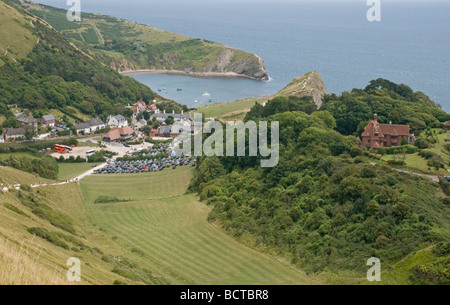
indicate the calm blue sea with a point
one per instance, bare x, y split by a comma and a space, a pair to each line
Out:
410, 45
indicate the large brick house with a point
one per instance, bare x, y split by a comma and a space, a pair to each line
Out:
385, 135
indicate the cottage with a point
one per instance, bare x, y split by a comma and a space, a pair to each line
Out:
11, 134
139, 107
176, 116
140, 124
90, 126
83, 128
385, 135
96, 124
117, 121
446, 125
25, 120
165, 130
48, 120
2, 138
116, 133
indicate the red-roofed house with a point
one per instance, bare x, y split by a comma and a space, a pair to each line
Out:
385, 135
115, 134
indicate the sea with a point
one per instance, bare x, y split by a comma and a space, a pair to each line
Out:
410, 44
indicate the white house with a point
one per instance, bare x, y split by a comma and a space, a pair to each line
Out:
83, 128
90, 126
117, 121
176, 116
96, 124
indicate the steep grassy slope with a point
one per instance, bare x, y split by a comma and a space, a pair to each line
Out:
161, 237
17, 40
56, 74
171, 230
34, 247
124, 45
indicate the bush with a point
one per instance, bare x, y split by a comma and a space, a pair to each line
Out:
422, 143
435, 163
26, 188
106, 199
63, 133
48, 236
409, 149
397, 162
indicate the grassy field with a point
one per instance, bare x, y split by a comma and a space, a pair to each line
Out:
416, 163
17, 40
16, 154
68, 171
170, 229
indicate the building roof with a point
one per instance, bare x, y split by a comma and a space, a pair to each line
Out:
395, 130
49, 117
113, 134
81, 126
95, 122
23, 118
165, 129
174, 115
14, 131
116, 133
385, 129
126, 131
120, 118
143, 122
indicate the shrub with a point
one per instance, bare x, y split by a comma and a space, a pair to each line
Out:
48, 236
106, 199
397, 162
422, 143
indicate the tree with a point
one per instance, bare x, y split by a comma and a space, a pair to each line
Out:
170, 120
146, 130
10, 123
146, 115
73, 141
30, 132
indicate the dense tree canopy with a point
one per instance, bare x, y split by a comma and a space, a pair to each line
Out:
56, 75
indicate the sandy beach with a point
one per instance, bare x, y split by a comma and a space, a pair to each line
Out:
179, 72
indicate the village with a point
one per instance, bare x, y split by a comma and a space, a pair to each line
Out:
145, 121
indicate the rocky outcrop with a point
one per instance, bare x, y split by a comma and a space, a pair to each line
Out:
310, 84
230, 61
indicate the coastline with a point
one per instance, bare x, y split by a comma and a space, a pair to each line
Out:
193, 74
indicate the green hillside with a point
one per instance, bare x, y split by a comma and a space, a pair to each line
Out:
124, 45
171, 230
43, 71
329, 205
16, 38
160, 237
